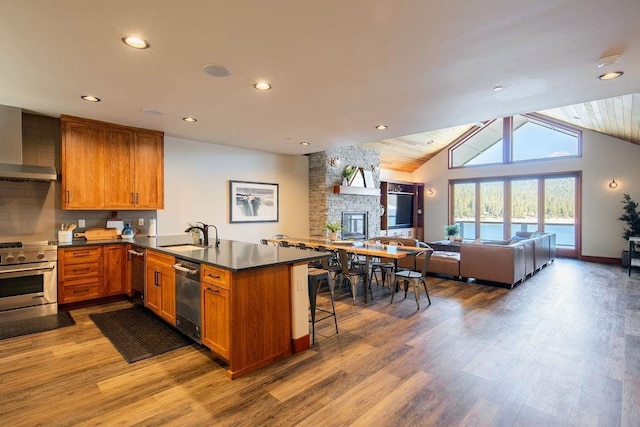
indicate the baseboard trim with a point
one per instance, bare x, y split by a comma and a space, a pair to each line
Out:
601, 260
301, 344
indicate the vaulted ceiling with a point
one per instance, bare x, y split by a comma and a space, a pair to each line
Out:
618, 117
337, 68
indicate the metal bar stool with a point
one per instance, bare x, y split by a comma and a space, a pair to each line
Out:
315, 279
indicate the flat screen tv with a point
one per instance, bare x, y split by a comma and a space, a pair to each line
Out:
399, 210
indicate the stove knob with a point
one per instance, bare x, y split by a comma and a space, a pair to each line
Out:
21, 257
9, 258
41, 255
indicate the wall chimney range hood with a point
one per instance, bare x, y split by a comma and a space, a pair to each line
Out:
11, 167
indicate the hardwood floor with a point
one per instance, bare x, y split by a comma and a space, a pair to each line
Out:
561, 349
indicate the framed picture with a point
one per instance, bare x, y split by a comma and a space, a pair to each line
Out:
253, 202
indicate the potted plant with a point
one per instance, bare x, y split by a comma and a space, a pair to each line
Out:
333, 227
451, 231
632, 217
348, 173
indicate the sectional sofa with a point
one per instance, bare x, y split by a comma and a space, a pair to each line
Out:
504, 262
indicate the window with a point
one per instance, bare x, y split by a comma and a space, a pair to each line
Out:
483, 147
464, 209
559, 209
497, 208
515, 139
536, 140
492, 210
524, 205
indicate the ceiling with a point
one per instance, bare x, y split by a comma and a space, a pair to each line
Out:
337, 68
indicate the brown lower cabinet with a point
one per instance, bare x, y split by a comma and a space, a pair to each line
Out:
216, 326
80, 274
246, 316
90, 272
160, 285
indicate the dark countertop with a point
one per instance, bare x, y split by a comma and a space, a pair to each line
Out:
231, 255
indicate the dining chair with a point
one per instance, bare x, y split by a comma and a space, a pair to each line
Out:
385, 266
414, 278
353, 273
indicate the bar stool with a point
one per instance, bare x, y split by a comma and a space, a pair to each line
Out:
315, 279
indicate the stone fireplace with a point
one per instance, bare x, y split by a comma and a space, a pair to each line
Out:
325, 171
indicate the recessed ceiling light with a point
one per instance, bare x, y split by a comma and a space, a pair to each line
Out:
151, 112
90, 98
497, 88
610, 76
216, 70
262, 86
305, 143
190, 119
135, 42
381, 127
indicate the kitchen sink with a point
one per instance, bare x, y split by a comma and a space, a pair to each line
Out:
183, 247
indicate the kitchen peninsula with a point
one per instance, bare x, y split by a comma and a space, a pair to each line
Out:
254, 300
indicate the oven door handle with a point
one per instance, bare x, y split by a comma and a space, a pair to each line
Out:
32, 271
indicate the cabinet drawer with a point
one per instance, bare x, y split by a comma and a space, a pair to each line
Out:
216, 276
80, 291
75, 256
86, 269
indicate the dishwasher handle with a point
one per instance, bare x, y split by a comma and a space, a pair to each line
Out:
135, 253
180, 267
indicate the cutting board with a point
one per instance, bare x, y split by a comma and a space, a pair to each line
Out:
98, 234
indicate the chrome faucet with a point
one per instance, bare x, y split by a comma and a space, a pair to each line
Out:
204, 228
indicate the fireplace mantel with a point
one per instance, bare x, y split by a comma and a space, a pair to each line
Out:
361, 191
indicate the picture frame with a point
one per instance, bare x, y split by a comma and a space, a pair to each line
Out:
253, 202
368, 179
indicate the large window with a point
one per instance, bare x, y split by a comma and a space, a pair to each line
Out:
492, 210
560, 209
464, 209
497, 208
515, 139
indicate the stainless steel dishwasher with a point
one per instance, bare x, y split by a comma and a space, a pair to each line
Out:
188, 298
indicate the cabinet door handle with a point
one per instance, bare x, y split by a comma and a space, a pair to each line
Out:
156, 278
214, 291
137, 198
68, 196
215, 277
132, 198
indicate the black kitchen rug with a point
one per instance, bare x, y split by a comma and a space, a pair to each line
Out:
137, 333
16, 328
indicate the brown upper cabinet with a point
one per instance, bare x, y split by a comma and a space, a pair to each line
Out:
108, 166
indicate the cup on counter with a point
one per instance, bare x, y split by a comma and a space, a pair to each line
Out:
65, 236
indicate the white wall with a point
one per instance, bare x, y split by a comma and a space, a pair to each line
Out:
603, 158
196, 182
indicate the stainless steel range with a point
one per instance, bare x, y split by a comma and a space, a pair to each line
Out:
28, 280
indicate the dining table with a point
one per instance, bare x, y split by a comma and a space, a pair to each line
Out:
368, 249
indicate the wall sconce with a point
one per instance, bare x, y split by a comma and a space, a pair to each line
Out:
430, 192
334, 161
613, 183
